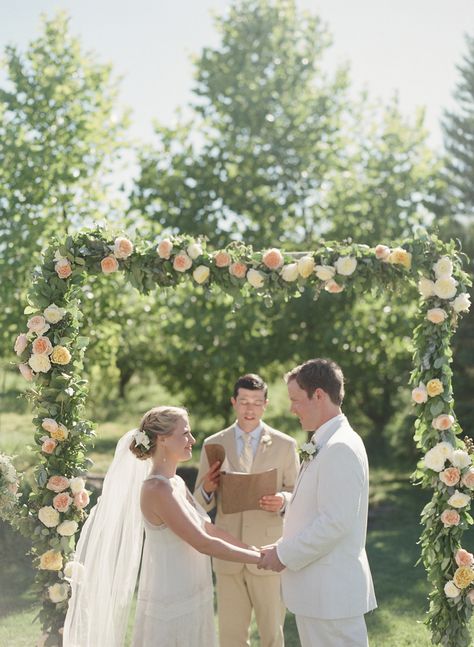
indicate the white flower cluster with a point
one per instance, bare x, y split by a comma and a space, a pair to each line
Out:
444, 286
141, 439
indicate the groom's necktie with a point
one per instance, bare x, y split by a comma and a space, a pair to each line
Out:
246, 457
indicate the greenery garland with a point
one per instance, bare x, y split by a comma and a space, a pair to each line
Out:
51, 354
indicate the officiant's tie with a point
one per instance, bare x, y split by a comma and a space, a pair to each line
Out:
246, 457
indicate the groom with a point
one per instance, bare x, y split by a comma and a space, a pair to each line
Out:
326, 582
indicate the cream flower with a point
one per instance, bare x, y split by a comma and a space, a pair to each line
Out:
462, 302
67, 528
123, 247
164, 248
48, 516
63, 268
419, 394
345, 265
289, 273
51, 560
201, 274
26, 372
273, 259
255, 278
459, 500
306, 266
436, 457
74, 571
21, 342
109, 264
77, 484
333, 287
194, 250
443, 422
382, 252
39, 363
53, 314
58, 592
445, 287
325, 272
182, 262
400, 256
60, 355
460, 458
436, 315
60, 434
443, 268
426, 288
81, 499
38, 325
434, 387
451, 590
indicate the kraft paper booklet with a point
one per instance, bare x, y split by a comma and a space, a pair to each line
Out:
214, 452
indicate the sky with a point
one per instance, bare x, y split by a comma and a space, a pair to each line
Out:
410, 47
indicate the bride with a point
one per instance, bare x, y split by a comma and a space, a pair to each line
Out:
175, 596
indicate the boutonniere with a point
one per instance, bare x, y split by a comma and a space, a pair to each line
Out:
266, 440
308, 451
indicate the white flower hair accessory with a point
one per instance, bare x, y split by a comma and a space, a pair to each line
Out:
141, 440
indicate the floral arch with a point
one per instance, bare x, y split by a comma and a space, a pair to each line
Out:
51, 354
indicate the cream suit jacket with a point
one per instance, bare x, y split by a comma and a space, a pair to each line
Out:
254, 527
327, 574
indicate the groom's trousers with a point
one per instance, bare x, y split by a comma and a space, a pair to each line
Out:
343, 632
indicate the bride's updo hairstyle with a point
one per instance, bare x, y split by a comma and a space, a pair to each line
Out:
159, 421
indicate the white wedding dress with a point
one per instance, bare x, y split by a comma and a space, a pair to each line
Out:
175, 594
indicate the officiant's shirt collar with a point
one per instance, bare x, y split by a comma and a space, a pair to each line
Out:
323, 432
255, 433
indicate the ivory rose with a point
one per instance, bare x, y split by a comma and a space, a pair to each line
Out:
61, 433
443, 267
436, 315
81, 499
443, 422
60, 355
426, 288
39, 363
201, 274
273, 259
333, 287
53, 314
306, 266
289, 273
38, 325
434, 387
463, 558
382, 252
57, 483
164, 248
62, 502
451, 590
436, 457
77, 484
48, 445
42, 346
462, 302
255, 278
194, 250
345, 265
460, 458
51, 560
63, 268
21, 342
450, 476
450, 518
26, 372
182, 262
67, 528
400, 256
109, 264
468, 478
445, 287
49, 424
459, 500
325, 272
123, 247
463, 576
58, 592
419, 394
239, 270
48, 516
222, 259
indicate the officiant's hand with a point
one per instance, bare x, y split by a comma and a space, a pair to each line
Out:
272, 502
269, 560
210, 481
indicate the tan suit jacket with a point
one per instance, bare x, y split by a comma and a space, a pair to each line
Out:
254, 527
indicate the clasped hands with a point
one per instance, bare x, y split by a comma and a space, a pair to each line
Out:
269, 560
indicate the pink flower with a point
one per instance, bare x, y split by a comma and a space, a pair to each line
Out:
182, 262
48, 446
81, 499
463, 558
26, 372
436, 315
419, 394
273, 259
123, 247
63, 268
57, 483
37, 324
62, 502
450, 476
333, 287
164, 248
222, 259
49, 425
468, 478
21, 342
239, 270
109, 264
382, 252
42, 346
450, 518
443, 422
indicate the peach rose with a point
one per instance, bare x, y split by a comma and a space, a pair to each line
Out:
42, 346
38, 325
333, 287
164, 248
182, 262
109, 264
61, 433
436, 315
123, 247
434, 387
239, 270
400, 256
81, 499
63, 268
57, 483
450, 476
273, 259
468, 478
60, 355
463, 558
62, 502
419, 394
26, 372
382, 252
443, 422
450, 518
51, 560
21, 342
48, 446
222, 259
49, 425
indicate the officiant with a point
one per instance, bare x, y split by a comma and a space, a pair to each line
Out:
251, 446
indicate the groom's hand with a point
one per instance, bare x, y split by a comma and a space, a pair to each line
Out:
272, 502
269, 560
210, 482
